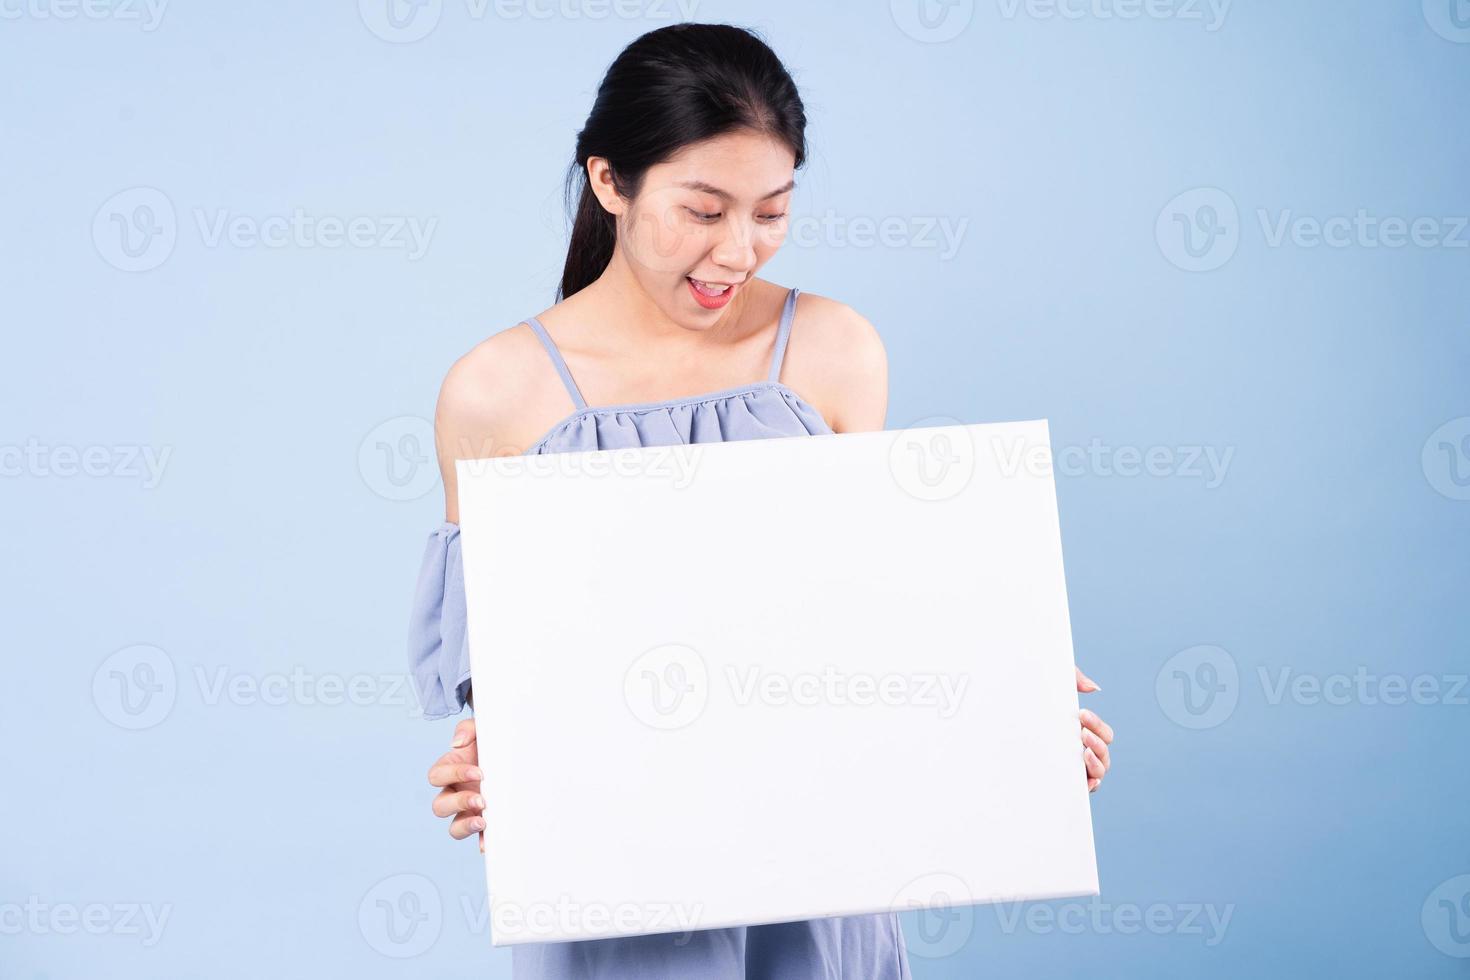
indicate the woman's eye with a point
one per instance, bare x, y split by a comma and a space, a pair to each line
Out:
770, 218
704, 215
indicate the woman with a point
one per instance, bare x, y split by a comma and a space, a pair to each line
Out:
664, 335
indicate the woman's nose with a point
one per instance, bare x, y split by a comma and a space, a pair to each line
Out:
736, 249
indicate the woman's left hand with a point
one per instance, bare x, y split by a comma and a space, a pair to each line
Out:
1097, 735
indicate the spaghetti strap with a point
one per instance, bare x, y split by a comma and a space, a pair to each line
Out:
556, 359
783, 333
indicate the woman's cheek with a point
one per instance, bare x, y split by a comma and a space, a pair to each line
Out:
770, 238
662, 237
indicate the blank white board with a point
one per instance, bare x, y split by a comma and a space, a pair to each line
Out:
771, 680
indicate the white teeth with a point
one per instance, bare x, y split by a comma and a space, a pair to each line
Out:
708, 289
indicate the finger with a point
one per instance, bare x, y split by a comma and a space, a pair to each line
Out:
448, 773
464, 734
1099, 748
1085, 684
1092, 721
1093, 784
464, 825
450, 801
1095, 768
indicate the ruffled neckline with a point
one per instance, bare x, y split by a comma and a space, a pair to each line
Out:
640, 408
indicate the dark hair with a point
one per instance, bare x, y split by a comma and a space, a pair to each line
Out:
672, 87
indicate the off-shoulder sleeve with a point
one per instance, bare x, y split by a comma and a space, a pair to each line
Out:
438, 657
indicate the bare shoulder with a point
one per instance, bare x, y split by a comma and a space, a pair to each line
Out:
836, 360
484, 391
496, 400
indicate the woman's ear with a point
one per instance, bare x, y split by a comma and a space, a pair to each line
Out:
600, 179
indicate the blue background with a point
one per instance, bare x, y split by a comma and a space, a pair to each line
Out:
273, 542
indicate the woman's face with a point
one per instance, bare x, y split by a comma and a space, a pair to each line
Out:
705, 221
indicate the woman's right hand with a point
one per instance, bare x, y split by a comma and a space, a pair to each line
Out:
458, 774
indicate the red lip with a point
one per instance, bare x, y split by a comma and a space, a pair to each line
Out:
710, 302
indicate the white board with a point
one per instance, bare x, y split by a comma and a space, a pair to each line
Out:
771, 680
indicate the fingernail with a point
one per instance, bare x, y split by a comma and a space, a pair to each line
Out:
474, 773
460, 741
478, 802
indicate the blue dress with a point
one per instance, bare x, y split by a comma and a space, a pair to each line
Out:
861, 947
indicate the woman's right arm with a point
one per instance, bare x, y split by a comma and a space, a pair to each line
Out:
465, 424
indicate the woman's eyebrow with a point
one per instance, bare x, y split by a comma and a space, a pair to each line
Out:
699, 185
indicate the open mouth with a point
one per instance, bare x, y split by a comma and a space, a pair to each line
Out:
711, 295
